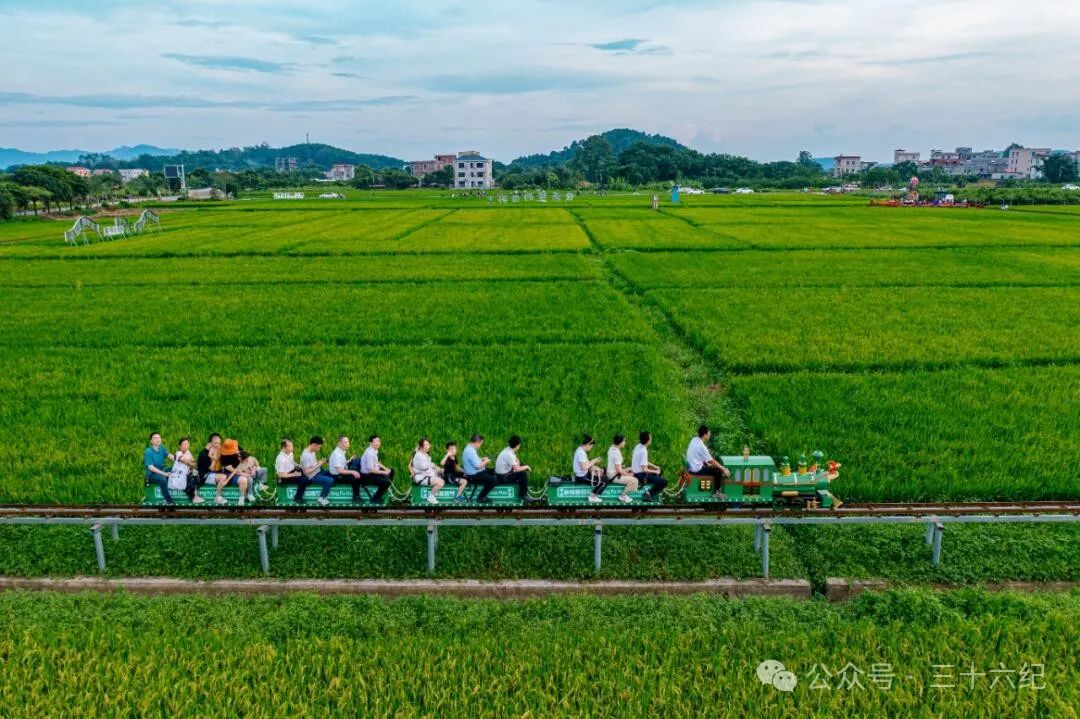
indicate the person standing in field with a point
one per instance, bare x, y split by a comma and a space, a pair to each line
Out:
476, 468
647, 473
155, 459
342, 467
452, 474
510, 470
616, 473
424, 472
182, 476
373, 472
699, 461
311, 472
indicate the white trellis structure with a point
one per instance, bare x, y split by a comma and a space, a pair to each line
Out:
80, 232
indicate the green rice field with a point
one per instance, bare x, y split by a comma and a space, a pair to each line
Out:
932, 351
900, 653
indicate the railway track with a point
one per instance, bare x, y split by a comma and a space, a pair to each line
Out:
906, 509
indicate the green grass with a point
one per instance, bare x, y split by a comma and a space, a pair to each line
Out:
418, 312
858, 328
260, 270
88, 412
344, 656
983, 267
926, 436
232, 318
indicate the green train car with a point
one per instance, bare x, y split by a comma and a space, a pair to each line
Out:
501, 495
755, 481
341, 497
564, 492
152, 496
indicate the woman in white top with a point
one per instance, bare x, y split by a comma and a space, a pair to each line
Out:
424, 472
181, 476
617, 472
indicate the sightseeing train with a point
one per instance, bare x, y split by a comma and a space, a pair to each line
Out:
755, 481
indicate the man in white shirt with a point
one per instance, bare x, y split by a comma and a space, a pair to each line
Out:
372, 472
284, 465
699, 461
646, 472
341, 467
311, 472
616, 473
510, 470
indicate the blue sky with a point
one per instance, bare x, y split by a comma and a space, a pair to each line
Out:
763, 78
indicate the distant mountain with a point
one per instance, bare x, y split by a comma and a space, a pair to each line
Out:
308, 156
12, 156
620, 139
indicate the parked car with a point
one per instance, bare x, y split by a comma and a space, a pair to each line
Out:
721, 190
744, 191
1070, 186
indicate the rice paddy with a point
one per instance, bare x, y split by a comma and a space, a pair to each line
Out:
944, 342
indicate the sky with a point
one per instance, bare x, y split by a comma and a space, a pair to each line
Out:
408, 78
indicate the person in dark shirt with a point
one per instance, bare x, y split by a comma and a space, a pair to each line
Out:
452, 473
204, 464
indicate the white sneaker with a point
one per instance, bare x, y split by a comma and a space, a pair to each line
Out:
594, 499
250, 497
197, 499
240, 501
432, 499
323, 501
625, 499
220, 500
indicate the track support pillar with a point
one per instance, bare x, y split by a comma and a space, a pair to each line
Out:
597, 543
115, 531
274, 536
99, 547
939, 530
930, 532
264, 554
432, 545
757, 537
766, 530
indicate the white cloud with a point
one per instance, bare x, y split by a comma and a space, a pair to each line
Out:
758, 77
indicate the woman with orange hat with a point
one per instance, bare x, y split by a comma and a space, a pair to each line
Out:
232, 472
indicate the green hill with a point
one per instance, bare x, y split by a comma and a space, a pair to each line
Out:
620, 139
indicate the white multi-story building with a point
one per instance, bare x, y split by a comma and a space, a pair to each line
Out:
847, 165
905, 156
341, 172
473, 171
1026, 162
127, 174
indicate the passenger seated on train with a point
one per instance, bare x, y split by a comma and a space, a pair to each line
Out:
258, 473
586, 470
476, 468
699, 461
156, 460
344, 469
452, 475
234, 472
646, 472
311, 472
510, 470
616, 472
182, 475
208, 460
373, 472
426, 474
285, 464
